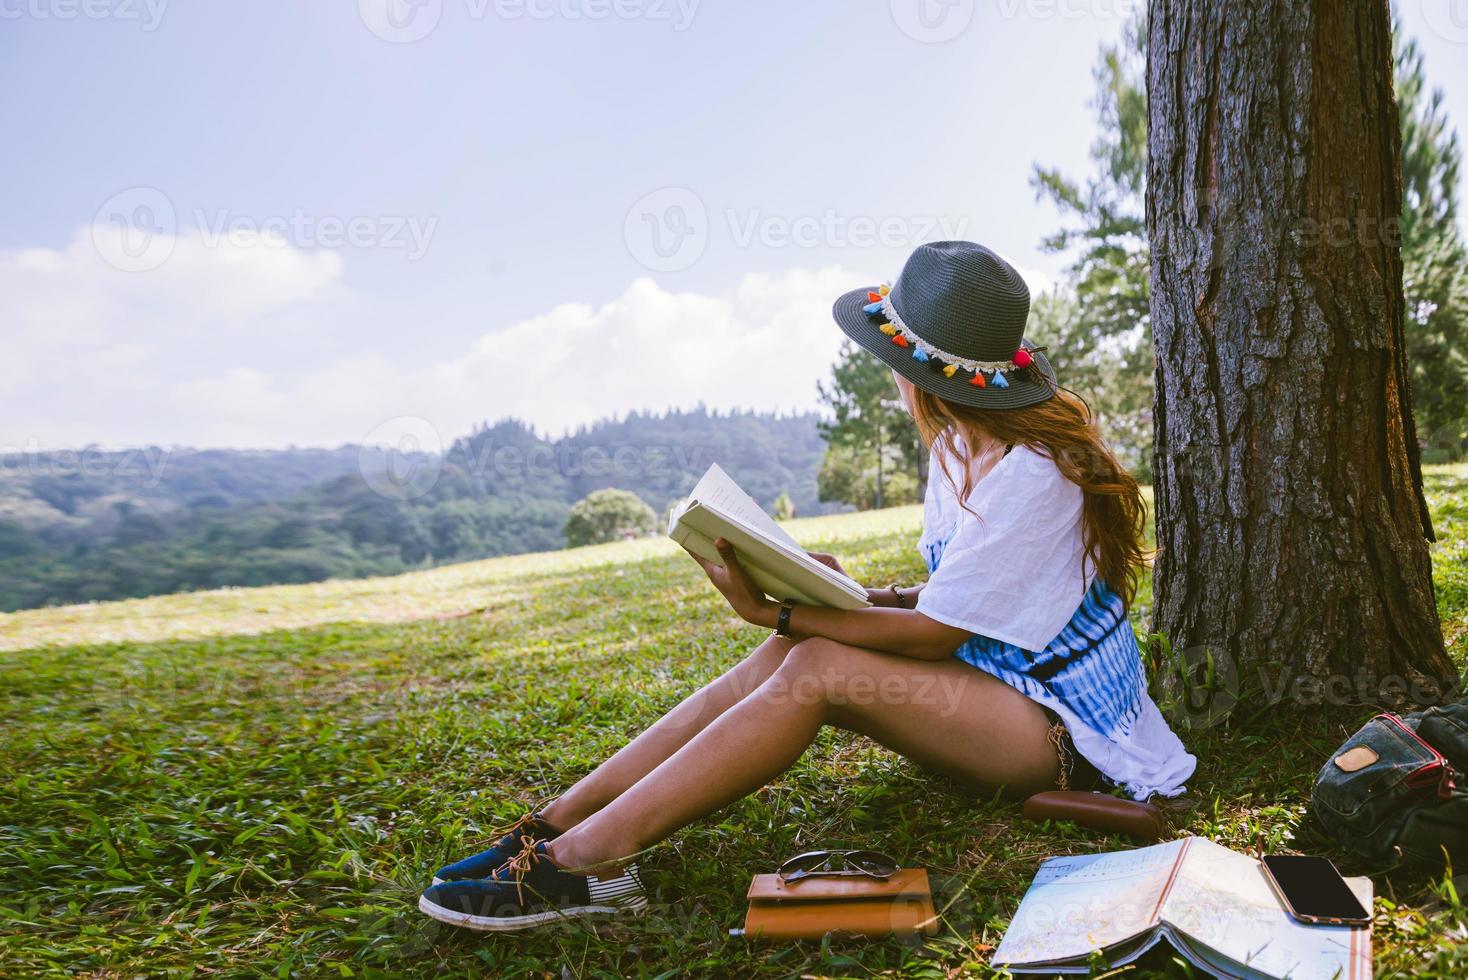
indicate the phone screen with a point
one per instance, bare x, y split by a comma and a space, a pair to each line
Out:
1314, 887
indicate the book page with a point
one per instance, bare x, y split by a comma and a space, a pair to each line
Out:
719, 490
780, 571
1222, 900
1087, 902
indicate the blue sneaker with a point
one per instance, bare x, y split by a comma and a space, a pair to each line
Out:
530, 891
485, 863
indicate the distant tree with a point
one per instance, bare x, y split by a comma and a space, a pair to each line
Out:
784, 508
870, 434
1434, 259
608, 515
1100, 338
451, 525
852, 478
138, 526
16, 541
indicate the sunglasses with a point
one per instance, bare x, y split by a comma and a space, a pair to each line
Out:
838, 864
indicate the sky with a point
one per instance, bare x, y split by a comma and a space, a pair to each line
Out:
272, 223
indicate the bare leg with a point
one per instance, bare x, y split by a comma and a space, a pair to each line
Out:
945, 715
666, 735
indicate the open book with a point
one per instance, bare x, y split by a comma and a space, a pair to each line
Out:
717, 508
1215, 905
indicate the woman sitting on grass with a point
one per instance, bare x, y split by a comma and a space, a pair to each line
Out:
1013, 666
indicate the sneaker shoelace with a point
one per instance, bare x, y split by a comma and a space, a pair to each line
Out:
525, 820
521, 863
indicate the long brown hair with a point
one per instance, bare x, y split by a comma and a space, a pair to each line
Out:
1061, 428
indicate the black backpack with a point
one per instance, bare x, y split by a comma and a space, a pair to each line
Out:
1396, 793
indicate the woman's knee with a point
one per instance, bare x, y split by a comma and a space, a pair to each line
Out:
815, 655
814, 671
770, 654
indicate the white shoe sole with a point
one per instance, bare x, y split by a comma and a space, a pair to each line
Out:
485, 923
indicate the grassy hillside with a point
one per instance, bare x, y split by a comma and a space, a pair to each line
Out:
251, 781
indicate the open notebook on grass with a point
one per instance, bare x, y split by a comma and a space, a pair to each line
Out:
718, 508
1213, 904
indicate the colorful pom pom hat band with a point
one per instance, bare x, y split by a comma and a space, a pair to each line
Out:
953, 324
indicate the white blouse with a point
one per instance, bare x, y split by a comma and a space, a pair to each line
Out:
1014, 576
1015, 572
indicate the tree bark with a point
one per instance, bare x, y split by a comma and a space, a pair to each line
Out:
1290, 514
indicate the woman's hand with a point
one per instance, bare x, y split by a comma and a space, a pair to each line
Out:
829, 561
738, 589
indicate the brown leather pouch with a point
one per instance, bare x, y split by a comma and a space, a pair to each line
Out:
1099, 811
857, 906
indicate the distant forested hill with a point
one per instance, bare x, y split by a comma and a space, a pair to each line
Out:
88, 525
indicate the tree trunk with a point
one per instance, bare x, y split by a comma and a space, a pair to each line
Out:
1290, 513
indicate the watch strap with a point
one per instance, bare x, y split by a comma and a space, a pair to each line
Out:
782, 622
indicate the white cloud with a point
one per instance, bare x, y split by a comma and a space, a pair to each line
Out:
765, 345
174, 355
1037, 279
92, 352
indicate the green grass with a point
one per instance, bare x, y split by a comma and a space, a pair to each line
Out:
257, 781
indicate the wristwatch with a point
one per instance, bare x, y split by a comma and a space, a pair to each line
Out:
782, 623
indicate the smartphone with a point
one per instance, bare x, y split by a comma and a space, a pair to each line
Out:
1313, 891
